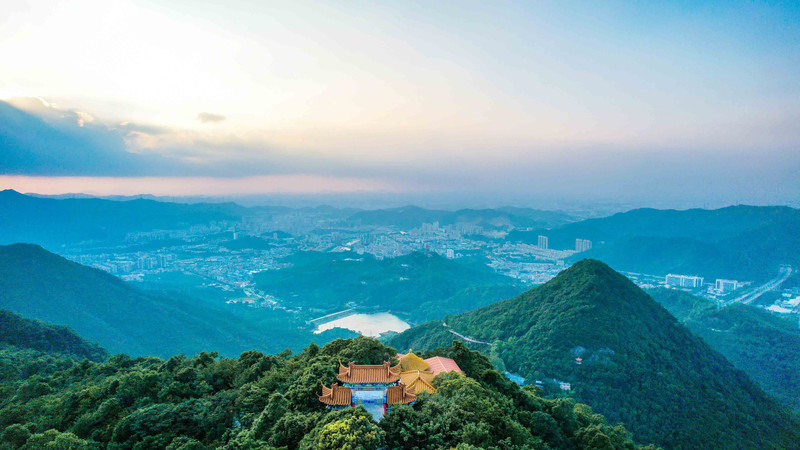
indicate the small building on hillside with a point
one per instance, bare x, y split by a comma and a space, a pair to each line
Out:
375, 387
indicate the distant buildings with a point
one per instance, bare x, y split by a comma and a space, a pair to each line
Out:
581, 245
725, 286
684, 281
543, 242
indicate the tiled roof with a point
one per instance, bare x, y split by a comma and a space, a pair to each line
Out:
383, 373
418, 381
411, 362
335, 395
399, 394
439, 364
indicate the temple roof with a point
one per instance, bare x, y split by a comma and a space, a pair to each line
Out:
399, 394
383, 373
411, 362
335, 395
439, 364
418, 381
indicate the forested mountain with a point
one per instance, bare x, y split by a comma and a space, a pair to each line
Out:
744, 242
55, 222
420, 286
40, 285
24, 333
638, 364
408, 217
259, 401
765, 346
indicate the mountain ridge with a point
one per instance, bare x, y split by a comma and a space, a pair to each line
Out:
41, 285
638, 364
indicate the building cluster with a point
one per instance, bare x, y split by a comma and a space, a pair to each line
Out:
684, 281
211, 250
379, 387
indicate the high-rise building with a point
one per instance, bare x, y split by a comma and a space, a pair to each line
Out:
686, 281
581, 245
543, 244
726, 286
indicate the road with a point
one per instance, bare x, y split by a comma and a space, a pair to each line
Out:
759, 291
466, 338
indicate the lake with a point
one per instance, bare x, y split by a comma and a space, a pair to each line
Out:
367, 324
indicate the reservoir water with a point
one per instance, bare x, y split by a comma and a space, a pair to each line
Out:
367, 324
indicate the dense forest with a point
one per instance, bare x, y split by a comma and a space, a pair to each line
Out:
765, 346
58, 401
625, 355
20, 332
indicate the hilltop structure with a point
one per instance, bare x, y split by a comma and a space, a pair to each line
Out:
378, 387
375, 387
417, 373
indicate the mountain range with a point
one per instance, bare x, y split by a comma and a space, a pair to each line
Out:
739, 242
408, 217
762, 344
53, 223
624, 354
40, 285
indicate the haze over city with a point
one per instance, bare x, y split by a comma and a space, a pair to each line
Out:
686, 104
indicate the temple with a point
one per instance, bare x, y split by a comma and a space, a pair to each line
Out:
375, 387
378, 387
417, 373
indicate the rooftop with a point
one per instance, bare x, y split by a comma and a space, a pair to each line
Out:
399, 394
439, 364
383, 373
336, 395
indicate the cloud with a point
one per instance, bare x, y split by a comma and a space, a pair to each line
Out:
131, 127
47, 141
210, 118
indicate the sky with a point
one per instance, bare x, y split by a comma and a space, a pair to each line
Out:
690, 103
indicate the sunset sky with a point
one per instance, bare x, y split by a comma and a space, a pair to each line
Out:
578, 99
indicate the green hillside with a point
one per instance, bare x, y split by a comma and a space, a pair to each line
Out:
663, 255
420, 286
41, 285
20, 332
639, 365
259, 401
766, 347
